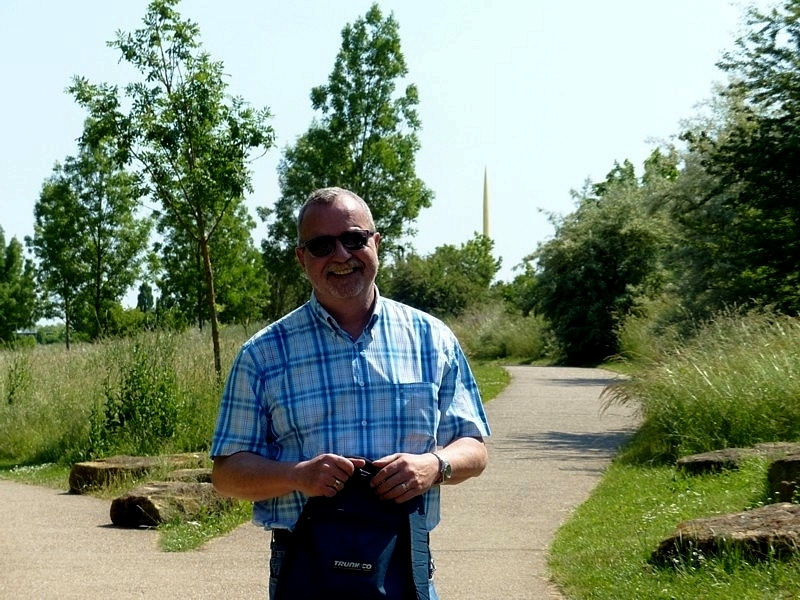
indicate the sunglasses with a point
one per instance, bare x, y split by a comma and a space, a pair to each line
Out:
323, 245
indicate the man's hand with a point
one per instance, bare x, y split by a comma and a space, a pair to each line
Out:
252, 477
324, 475
404, 476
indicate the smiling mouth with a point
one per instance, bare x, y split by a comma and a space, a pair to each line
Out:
345, 270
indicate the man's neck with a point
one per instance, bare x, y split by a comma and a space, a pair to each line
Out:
353, 315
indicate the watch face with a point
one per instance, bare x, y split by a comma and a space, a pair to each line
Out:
445, 470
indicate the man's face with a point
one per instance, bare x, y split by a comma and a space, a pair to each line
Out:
342, 275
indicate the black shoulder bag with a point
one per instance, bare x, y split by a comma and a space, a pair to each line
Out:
356, 546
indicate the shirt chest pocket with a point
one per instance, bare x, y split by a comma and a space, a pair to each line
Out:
415, 412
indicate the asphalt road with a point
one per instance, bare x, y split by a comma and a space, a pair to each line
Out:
549, 448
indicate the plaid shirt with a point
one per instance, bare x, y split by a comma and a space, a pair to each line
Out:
302, 387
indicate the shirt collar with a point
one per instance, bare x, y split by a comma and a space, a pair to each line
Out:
325, 317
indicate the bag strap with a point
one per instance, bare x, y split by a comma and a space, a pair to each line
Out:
418, 529
420, 551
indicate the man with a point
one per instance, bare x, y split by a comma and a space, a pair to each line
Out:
347, 374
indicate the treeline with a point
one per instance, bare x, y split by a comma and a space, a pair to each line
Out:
711, 222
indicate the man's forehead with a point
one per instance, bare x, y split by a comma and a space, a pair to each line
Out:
343, 211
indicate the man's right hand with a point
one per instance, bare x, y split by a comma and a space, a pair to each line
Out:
324, 475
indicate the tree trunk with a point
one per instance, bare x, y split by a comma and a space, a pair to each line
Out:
212, 302
67, 319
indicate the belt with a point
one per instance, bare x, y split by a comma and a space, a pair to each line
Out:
282, 536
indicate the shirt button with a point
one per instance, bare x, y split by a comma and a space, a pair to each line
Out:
363, 423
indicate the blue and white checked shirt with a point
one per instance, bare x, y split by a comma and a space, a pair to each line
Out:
302, 387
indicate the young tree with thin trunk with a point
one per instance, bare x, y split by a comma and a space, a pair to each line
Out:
88, 239
189, 142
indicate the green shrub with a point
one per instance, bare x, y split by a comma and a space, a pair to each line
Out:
651, 333
490, 332
142, 406
17, 379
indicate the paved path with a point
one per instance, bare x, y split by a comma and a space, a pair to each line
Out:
549, 448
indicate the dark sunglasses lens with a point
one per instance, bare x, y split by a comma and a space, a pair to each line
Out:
325, 244
321, 246
353, 240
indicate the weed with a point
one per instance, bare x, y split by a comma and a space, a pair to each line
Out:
17, 378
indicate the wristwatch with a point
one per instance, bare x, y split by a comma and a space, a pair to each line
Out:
445, 470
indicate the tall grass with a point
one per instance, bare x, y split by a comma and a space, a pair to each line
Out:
735, 384
156, 392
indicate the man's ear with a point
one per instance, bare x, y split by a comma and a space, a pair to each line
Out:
301, 257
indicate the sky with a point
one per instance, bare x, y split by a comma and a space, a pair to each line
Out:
540, 96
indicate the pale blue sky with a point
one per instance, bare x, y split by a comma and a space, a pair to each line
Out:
542, 94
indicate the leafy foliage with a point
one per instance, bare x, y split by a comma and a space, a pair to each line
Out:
742, 217
88, 240
602, 259
17, 289
448, 281
240, 277
141, 413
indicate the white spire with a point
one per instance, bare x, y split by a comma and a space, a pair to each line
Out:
485, 202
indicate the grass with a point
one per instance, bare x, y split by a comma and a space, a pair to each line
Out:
180, 535
492, 379
63, 406
602, 552
735, 384
47, 475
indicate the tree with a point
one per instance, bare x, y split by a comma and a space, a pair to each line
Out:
17, 289
115, 239
448, 281
189, 142
144, 299
89, 242
240, 278
603, 259
56, 242
365, 139
747, 217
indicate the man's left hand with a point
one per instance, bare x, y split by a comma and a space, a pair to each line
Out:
404, 476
